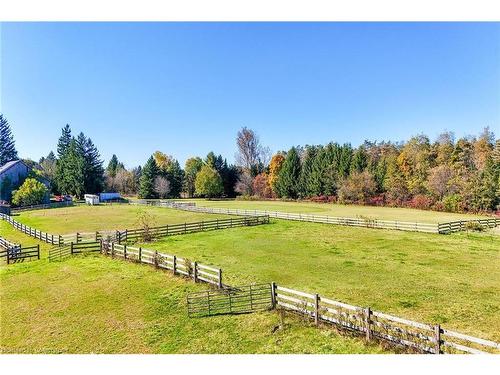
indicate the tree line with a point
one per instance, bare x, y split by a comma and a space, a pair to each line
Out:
444, 174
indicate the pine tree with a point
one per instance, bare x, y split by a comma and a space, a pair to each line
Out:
7, 146
175, 176
306, 185
359, 160
64, 141
147, 180
112, 166
71, 171
287, 184
94, 171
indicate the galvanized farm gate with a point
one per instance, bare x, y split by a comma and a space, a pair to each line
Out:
240, 300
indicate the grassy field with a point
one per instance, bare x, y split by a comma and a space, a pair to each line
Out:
448, 279
93, 304
383, 213
92, 218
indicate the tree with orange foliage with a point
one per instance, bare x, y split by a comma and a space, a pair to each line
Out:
274, 169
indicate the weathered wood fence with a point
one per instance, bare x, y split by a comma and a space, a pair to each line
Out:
15, 253
462, 225
53, 239
179, 266
425, 338
185, 228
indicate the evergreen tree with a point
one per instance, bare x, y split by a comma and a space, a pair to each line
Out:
306, 185
359, 160
147, 179
288, 179
191, 169
64, 141
112, 166
94, 179
7, 146
175, 176
71, 171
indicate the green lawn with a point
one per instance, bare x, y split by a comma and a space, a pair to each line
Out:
383, 213
103, 217
93, 304
448, 279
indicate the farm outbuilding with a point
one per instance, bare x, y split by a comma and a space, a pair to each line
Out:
109, 196
91, 199
13, 174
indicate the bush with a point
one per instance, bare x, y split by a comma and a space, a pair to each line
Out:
377, 200
474, 226
31, 192
324, 199
453, 203
421, 202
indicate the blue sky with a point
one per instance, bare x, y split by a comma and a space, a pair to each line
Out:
186, 88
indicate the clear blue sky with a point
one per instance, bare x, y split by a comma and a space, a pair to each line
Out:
186, 88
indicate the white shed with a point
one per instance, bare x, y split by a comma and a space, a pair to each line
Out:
91, 199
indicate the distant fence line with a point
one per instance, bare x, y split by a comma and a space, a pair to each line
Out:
441, 228
42, 206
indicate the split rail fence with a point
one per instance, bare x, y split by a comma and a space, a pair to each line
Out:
462, 225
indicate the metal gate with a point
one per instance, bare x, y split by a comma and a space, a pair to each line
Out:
233, 300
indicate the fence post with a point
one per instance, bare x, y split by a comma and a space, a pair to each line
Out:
140, 254
125, 251
185, 227
38, 250
219, 282
71, 247
316, 309
367, 315
156, 258
126, 235
195, 272
77, 237
273, 295
112, 249
60, 240
437, 338
175, 265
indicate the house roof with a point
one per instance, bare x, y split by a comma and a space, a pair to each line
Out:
9, 165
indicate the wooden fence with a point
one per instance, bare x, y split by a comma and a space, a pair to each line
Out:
42, 206
441, 228
53, 239
179, 266
421, 337
348, 221
185, 228
15, 253
462, 225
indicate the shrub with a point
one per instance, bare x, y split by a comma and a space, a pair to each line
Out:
453, 203
474, 226
31, 192
377, 200
421, 202
324, 199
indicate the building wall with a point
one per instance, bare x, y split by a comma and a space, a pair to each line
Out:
17, 174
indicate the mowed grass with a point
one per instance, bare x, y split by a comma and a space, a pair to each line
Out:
382, 213
94, 304
104, 217
449, 279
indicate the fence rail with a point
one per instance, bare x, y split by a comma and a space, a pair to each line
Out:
15, 253
42, 206
461, 225
179, 266
185, 228
53, 239
373, 324
349, 221
441, 228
